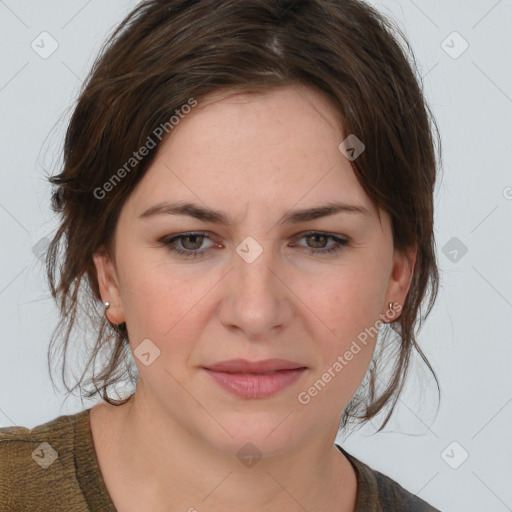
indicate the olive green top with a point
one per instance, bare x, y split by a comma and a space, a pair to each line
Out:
53, 467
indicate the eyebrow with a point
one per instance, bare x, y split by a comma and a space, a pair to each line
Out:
218, 217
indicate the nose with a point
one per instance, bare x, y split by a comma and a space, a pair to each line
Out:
256, 299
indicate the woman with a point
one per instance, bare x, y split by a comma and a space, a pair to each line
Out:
248, 192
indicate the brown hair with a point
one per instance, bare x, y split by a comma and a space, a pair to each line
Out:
166, 52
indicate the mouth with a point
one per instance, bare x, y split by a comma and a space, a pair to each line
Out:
255, 380
268, 366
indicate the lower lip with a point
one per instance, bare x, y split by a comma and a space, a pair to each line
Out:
254, 385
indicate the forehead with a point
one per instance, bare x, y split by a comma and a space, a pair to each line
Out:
271, 149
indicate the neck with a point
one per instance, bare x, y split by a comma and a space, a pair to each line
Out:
165, 466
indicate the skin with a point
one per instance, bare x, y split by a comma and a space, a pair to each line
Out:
175, 443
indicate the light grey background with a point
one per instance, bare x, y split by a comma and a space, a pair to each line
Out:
468, 335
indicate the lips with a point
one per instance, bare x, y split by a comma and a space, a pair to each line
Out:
254, 367
255, 380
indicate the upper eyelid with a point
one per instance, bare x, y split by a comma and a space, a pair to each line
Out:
298, 236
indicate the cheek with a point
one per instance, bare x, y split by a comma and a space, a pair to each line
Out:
157, 310
349, 302
161, 302
346, 325
344, 355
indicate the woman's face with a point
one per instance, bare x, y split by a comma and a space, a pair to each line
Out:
250, 287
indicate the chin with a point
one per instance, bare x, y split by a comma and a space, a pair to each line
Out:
267, 431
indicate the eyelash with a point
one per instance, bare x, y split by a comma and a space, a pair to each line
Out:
169, 243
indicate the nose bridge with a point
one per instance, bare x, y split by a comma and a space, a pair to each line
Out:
253, 265
256, 299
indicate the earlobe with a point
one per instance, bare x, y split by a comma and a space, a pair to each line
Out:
109, 287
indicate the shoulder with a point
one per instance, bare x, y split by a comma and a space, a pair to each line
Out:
394, 497
36, 465
22, 447
381, 493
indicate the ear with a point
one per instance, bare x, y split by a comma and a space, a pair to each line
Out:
400, 281
109, 286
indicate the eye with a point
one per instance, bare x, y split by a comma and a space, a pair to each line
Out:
191, 243
318, 240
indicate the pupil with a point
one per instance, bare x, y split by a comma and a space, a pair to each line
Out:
316, 236
197, 243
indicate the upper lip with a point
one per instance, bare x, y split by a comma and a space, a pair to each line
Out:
244, 366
